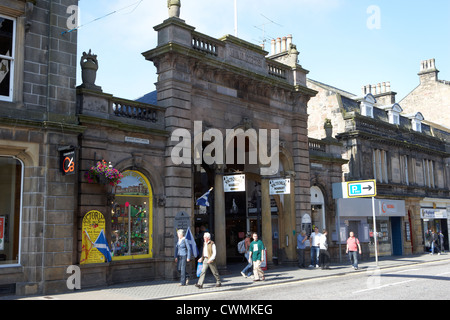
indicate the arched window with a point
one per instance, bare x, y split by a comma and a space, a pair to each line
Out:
11, 173
132, 216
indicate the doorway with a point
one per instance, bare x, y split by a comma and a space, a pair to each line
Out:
397, 243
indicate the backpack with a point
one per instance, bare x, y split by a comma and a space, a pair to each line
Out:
241, 246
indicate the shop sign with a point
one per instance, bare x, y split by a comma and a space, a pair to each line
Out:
182, 221
68, 161
388, 207
93, 224
433, 213
2, 233
279, 186
234, 183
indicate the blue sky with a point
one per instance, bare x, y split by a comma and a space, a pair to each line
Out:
335, 43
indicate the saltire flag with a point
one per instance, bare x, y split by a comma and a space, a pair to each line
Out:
191, 242
102, 245
204, 199
86, 248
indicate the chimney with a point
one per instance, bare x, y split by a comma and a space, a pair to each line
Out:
278, 45
428, 71
382, 93
273, 48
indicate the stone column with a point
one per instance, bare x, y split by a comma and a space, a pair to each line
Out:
266, 216
219, 219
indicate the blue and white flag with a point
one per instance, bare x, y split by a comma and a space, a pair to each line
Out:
204, 199
190, 240
102, 245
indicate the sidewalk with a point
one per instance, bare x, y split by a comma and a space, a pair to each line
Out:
233, 281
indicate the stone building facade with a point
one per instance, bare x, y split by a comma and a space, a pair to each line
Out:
431, 97
230, 87
408, 158
55, 138
37, 118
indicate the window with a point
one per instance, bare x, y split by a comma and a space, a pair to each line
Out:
404, 169
131, 225
428, 173
367, 105
380, 167
416, 121
7, 45
11, 171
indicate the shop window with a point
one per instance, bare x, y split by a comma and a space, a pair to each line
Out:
7, 44
132, 214
10, 209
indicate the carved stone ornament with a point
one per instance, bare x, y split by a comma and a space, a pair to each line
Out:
174, 8
89, 67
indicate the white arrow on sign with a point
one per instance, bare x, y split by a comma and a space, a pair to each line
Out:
357, 189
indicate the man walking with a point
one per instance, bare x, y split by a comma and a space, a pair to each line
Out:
256, 255
209, 261
314, 243
352, 247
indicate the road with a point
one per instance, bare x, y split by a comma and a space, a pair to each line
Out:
417, 282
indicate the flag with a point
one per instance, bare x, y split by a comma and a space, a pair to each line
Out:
102, 245
204, 199
86, 248
191, 242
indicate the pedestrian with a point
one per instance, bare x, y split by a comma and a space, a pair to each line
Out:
324, 256
434, 243
256, 256
352, 249
441, 241
182, 257
209, 260
247, 271
301, 246
315, 248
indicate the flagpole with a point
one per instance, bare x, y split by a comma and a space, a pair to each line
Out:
235, 19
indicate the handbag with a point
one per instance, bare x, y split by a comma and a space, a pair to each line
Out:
199, 269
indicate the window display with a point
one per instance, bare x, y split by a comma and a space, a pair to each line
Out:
132, 217
10, 195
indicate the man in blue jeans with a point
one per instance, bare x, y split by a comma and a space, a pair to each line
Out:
352, 249
314, 243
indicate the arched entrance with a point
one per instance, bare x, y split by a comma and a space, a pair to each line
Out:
317, 208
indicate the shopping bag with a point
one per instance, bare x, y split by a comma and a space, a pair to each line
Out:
264, 260
199, 269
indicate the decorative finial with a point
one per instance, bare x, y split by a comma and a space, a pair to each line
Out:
174, 8
89, 67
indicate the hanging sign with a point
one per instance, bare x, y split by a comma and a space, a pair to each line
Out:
279, 186
234, 183
93, 225
67, 161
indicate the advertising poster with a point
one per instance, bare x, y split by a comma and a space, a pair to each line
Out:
93, 224
2, 233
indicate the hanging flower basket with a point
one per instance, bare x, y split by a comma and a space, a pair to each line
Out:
104, 173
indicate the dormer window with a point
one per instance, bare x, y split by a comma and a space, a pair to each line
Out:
367, 105
393, 113
416, 121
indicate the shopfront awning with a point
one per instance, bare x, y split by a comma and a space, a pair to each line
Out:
362, 207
